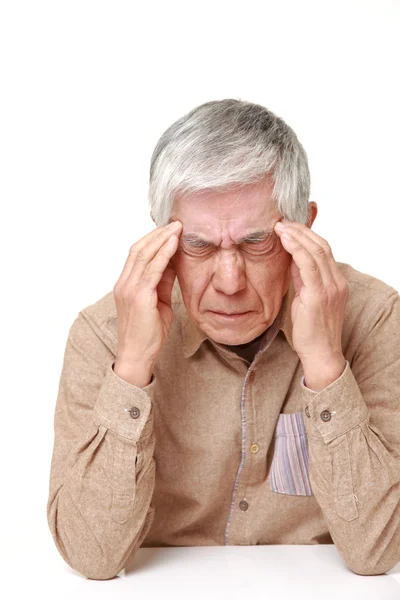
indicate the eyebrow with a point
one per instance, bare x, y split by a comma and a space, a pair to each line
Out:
253, 236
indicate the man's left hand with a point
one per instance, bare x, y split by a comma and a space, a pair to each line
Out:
318, 308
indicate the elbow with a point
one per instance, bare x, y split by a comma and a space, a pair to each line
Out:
363, 571
100, 574
95, 570
381, 567
373, 565
74, 554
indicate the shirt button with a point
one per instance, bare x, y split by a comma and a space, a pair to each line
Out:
243, 505
307, 411
325, 415
134, 412
254, 448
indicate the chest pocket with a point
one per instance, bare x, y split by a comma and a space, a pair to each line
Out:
289, 472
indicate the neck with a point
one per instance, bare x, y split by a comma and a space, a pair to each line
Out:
247, 343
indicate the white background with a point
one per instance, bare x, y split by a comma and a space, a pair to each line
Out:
87, 88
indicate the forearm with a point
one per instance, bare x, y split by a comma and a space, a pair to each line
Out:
102, 474
360, 498
355, 476
99, 515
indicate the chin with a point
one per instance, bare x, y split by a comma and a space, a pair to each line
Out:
231, 337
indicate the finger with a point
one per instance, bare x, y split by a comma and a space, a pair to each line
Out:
317, 248
308, 267
143, 251
296, 277
132, 253
164, 288
156, 268
337, 276
313, 236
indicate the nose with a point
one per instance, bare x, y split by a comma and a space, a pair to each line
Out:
230, 273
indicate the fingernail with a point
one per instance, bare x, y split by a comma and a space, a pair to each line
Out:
280, 225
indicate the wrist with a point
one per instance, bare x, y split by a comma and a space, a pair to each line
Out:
138, 374
318, 376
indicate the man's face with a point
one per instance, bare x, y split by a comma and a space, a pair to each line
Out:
217, 272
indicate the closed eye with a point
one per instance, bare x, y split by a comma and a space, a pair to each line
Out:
260, 246
260, 242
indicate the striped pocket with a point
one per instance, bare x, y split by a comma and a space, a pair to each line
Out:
290, 463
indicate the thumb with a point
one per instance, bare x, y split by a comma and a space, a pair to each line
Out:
297, 280
164, 288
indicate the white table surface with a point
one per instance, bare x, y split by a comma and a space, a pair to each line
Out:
203, 572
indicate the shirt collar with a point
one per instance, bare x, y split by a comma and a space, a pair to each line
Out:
193, 336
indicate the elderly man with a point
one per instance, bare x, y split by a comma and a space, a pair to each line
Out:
238, 385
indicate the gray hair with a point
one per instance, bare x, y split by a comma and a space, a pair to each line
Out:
224, 143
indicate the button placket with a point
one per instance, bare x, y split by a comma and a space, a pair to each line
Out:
243, 504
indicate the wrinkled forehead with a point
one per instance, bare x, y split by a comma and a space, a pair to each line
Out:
234, 213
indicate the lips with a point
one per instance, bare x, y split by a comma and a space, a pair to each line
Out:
229, 314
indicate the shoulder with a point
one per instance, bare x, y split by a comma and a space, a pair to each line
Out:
364, 284
97, 322
369, 298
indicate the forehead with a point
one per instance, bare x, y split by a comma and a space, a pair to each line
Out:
231, 213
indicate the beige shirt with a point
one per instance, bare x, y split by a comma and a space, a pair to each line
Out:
216, 450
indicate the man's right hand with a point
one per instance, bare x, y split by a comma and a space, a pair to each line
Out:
143, 301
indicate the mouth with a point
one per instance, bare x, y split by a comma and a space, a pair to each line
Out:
230, 316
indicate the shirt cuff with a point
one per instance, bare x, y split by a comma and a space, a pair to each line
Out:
123, 407
336, 409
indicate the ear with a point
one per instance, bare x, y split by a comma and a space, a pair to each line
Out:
312, 213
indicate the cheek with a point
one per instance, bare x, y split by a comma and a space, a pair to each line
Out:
193, 276
280, 261
186, 266
267, 277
